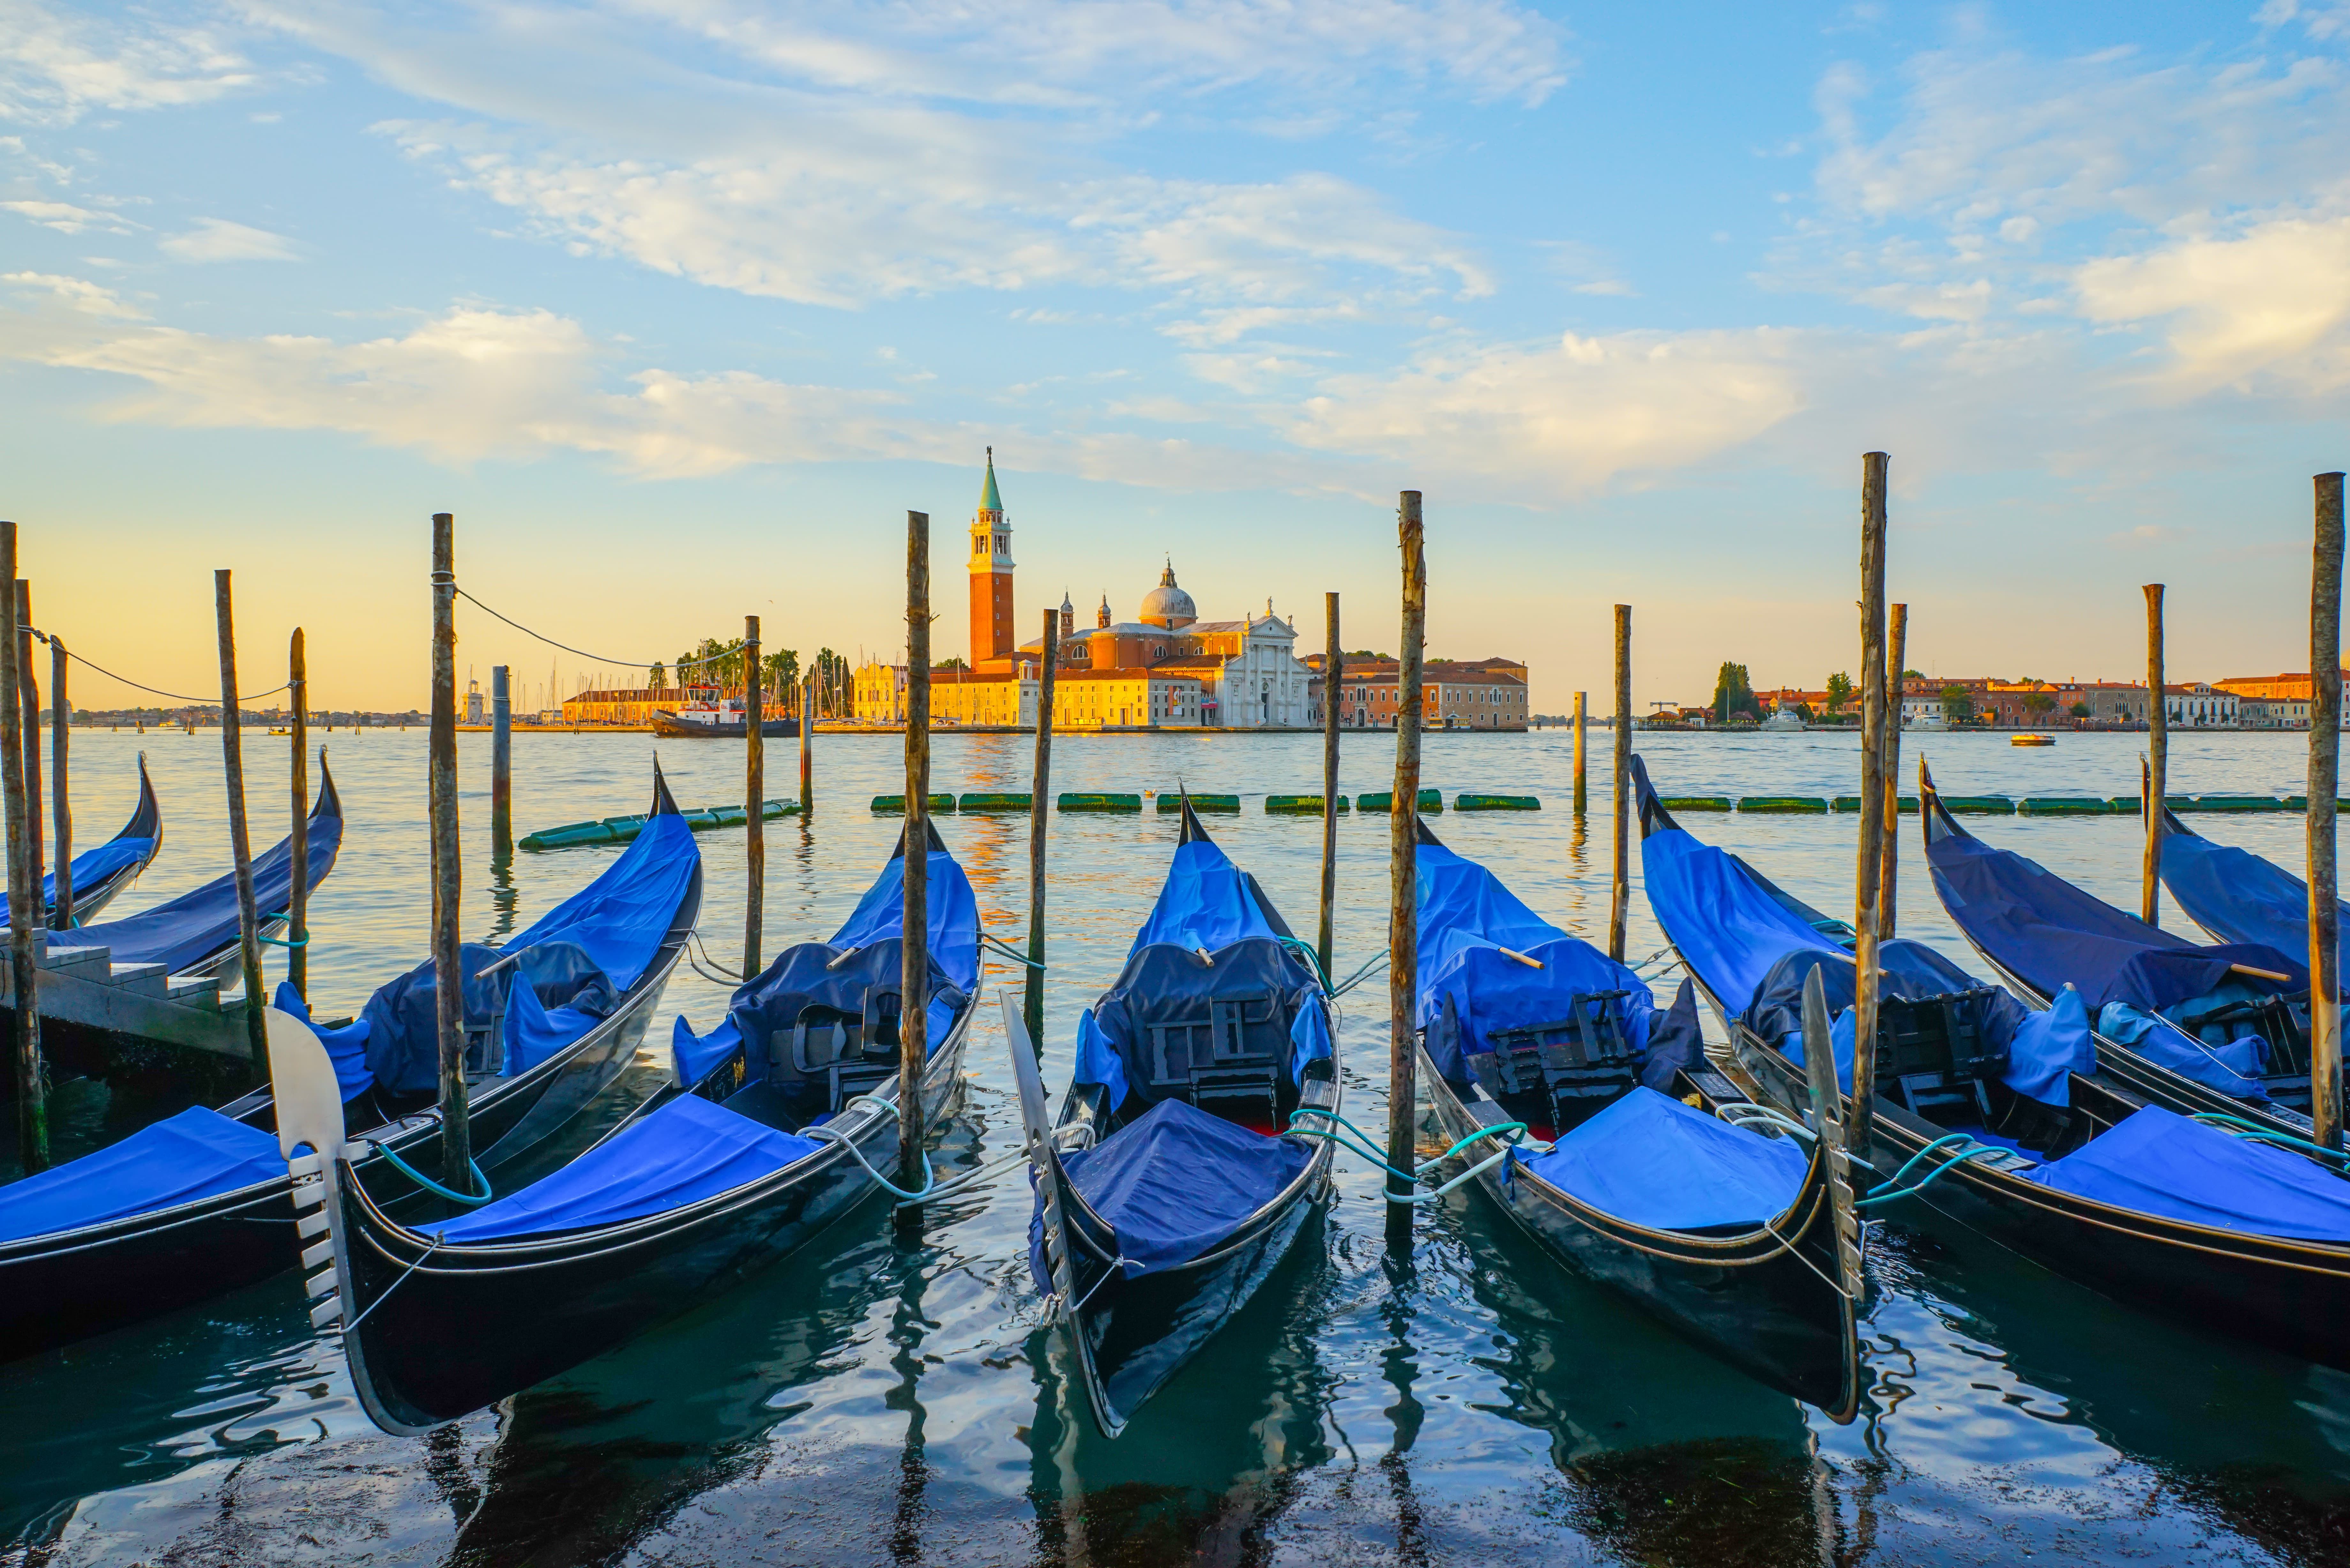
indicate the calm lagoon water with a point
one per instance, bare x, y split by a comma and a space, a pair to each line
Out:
878, 1400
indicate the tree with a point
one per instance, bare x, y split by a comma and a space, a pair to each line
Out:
1734, 694
780, 669
2082, 710
2038, 703
1839, 690
654, 679
951, 664
1958, 704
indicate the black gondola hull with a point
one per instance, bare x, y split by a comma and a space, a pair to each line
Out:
2288, 1296
670, 726
473, 1324
1780, 1321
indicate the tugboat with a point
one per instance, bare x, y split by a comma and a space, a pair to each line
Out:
707, 713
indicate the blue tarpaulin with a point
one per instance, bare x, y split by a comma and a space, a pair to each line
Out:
1727, 929
687, 1150
346, 1047
1177, 1180
577, 961
1205, 902
2236, 895
199, 1153
952, 910
2156, 1162
1650, 1160
1676, 1040
1466, 916
203, 922
2231, 1068
92, 866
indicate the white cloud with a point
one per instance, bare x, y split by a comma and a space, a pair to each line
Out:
74, 293
2267, 303
55, 67
66, 218
217, 240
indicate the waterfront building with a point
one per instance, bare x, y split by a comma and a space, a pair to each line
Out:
1455, 694
2198, 706
2275, 702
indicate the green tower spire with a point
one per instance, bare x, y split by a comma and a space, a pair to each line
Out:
988, 500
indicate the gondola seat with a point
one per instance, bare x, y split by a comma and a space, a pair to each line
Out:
820, 1026
1221, 1028
1576, 1064
1177, 1179
1652, 1161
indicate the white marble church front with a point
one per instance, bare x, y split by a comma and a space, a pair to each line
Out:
1248, 671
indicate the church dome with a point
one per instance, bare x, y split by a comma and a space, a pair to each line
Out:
1167, 605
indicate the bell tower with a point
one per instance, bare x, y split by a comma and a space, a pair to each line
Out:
991, 633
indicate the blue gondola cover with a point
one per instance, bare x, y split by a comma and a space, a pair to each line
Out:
2237, 896
1653, 1161
199, 1153
687, 1150
92, 865
2158, 1162
1729, 929
346, 1047
1177, 1180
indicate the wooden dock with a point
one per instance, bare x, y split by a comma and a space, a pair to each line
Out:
83, 986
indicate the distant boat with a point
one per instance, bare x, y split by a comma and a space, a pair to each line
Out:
1784, 720
2031, 740
711, 716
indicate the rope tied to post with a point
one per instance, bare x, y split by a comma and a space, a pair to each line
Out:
59, 643
1512, 1134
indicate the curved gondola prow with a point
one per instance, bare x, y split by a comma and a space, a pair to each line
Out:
1934, 819
308, 1107
330, 800
664, 804
1653, 817
147, 816
1193, 830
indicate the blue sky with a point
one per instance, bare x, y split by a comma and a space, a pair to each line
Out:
681, 304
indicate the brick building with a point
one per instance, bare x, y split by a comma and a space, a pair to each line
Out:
1456, 694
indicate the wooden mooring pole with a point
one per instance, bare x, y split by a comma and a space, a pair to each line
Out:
501, 761
240, 838
1862, 1124
755, 789
23, 907
2157, 768
1619, 885
1334, 670
1896, 655
1403, 873
297, 906
1039, 819
2324, 776
441, 771
914, 977
1582, 790
28, 700
61, 799
807, 737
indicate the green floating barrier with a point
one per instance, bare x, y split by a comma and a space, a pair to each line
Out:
997, 802
2292, 803
1978, 805
1852, 803
1694, 802
2239, 802
1171, 802
1298, 805
1496, 803
621, 829
1430, 801
896, 803
1805, 803
2065, 805
1100, 803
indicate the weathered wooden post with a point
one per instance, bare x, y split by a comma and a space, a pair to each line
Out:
1582, 790
807, 736
2324, 776
23, 907
28, 718
755, 786
1872, 801
1620, 887
2157, 745
1403, 869
60, 800
240, 840
297, 908
500, 762
1333, 670
1039, 820
1897, 657
914, 977
440, 771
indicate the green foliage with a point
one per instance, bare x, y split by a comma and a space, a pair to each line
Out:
1734, 694
2038, 702
2081, 710
1839, 690
1958, 704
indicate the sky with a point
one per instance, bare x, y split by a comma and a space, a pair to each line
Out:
680, 306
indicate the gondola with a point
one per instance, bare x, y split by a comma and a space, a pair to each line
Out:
2233, 894
100, 873
197, 933
1168, 1189
195, 1204
1729, 1233
2008, 1120
2220, 1028
784, 1112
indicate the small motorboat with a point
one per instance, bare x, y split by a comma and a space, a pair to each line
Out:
2031, 740
709, 714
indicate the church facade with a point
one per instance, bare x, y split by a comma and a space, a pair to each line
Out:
1166, 668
